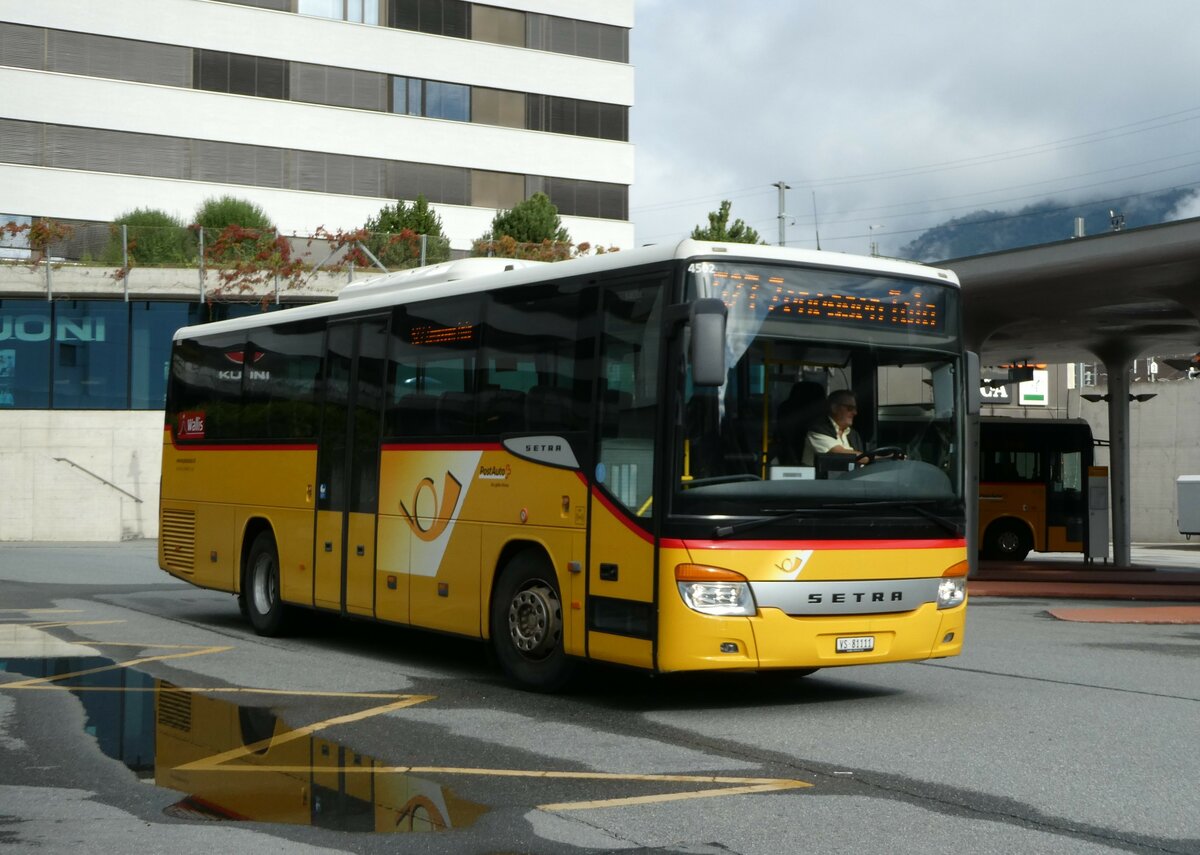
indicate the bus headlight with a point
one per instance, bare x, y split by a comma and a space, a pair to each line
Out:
714, 590
951, 592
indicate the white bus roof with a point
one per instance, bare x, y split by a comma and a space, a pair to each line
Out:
470, 275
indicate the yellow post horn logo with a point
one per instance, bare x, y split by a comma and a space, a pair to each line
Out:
451, 490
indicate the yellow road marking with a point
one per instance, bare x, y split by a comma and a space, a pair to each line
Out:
127, 664
215, 762
219, 762
40, 611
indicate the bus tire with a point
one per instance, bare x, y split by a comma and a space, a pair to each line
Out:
1007, 540
527, 624
260, 587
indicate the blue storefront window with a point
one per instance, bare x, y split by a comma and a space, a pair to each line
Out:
26, 333
94, 354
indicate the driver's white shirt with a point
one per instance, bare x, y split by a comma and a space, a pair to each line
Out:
820, 443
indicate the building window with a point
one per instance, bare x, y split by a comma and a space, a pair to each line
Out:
238, 74
89, 367
498, 26
578, 38
447, 101
124, 153
436, 17
431, 98
357, 11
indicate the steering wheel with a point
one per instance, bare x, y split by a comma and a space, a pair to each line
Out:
892, 452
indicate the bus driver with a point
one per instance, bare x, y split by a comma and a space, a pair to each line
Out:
833, 433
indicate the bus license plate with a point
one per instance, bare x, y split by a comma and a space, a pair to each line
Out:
856, 644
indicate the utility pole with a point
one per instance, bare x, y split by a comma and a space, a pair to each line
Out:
782, 215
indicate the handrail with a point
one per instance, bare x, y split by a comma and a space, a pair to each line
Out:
98, 478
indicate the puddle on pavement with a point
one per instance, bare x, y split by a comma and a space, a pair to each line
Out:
258, 768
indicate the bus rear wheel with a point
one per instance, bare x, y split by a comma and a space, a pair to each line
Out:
1006, 540
527, 624
260, 587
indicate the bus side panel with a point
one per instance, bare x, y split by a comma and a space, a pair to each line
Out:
293, 530
1023, 501
391, 577
620, 617
563, 547
446, 514
201, 528
360, 564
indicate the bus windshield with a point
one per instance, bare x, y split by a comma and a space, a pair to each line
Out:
842, 393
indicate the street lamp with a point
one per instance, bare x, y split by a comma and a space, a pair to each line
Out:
874, 245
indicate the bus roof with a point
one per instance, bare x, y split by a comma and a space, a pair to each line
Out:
470, 275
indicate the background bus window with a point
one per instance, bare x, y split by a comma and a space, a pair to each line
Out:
1011, 466
431, 369
632, 337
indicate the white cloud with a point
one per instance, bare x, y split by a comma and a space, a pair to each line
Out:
905, 114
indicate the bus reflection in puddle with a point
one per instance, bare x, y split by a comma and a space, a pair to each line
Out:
258, 768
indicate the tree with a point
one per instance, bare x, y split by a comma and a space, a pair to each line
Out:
394, 235
720, 230
152, 237
242, 245
532, 221
221, 211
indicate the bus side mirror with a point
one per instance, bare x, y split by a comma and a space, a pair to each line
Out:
974, 379
708, 342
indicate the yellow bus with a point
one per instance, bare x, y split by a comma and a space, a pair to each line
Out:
1033, 491
587, 460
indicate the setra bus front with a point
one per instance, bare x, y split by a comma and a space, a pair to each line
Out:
804, 528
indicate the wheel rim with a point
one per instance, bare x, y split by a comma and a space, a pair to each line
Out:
1009, 542
263, 586
535, 621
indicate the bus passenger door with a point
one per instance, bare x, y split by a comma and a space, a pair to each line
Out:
348, 466
621, 550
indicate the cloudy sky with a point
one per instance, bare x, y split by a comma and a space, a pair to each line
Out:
895, 116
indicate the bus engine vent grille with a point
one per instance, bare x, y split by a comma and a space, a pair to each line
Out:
177, 533
175, 709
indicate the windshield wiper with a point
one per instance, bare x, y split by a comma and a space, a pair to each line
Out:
747, 525
950, 525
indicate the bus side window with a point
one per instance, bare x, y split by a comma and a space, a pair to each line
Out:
632, 320
431, 369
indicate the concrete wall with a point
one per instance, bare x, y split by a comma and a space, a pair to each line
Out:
1165, 443
48, 495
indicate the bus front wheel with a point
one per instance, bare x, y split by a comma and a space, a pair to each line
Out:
1006, 540
527, 624
260, 588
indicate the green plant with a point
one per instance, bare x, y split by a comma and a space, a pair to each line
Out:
533, 221
394, 235
152, 237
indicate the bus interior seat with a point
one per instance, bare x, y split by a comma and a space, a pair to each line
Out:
804, 405
415, 414
549, 408
501, 410
455, 414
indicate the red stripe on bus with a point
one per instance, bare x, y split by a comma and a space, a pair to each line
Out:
442, 446
312, 446
620, 515
675, 543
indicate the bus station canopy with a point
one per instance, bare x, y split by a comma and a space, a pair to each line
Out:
1112, 297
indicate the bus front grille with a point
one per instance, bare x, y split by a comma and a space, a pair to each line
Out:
177, 533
